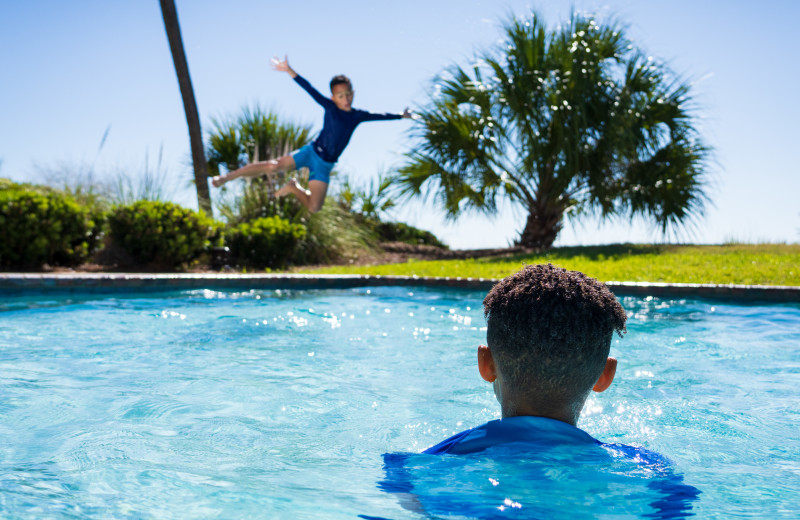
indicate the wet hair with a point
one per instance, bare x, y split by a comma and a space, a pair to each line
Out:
341, 79
550, 332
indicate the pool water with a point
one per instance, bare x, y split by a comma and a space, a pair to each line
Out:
282, 404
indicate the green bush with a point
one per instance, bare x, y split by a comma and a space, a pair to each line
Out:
216, 234
399, 232
265, 242
159, 233
44, 226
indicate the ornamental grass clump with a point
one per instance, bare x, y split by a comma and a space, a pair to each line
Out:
45, 226
160, 234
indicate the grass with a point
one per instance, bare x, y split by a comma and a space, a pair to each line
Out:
747, 264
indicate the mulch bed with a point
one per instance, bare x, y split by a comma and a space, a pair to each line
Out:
114, 260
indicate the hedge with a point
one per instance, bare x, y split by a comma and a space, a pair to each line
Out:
160, 233
42, 226
265, 242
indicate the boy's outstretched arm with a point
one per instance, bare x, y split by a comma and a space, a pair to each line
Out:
283, 66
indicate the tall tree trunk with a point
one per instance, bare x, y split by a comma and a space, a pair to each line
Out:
173, 29
543, 225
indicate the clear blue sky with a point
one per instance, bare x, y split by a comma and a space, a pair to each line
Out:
73, 69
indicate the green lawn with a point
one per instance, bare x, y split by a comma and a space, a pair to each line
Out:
749, 264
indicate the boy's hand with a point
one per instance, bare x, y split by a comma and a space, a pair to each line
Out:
282, 66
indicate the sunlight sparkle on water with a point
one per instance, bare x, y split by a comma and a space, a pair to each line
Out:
196, 384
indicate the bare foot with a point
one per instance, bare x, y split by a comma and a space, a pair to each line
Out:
218, 181
291, 187
284, 190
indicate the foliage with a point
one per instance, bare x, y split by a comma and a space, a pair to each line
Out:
216, 234
370, 204
41, 225
400, 232
153, 183
566, 122
255, 135
265, 242
372, 201
339, 231
160, 233
257, 200
113, 186
748, 264
79, 182
334, 235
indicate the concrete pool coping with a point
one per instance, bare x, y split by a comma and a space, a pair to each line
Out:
26, 283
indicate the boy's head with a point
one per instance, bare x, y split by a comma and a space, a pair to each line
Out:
549, 334
342, 92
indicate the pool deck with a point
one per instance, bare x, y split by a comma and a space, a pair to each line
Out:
32, 283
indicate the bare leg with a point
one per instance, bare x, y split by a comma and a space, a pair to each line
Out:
313, 198
257, 169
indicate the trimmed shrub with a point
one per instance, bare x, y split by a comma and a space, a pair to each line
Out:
265, 242
399, 232
216, 234
159, 233
45, 226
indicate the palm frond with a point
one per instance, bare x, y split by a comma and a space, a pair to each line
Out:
575, 119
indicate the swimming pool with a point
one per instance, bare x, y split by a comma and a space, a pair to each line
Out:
281, 404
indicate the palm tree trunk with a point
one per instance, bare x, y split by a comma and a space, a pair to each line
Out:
543, 225
173, 29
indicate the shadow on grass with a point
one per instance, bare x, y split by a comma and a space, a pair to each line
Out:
604, 252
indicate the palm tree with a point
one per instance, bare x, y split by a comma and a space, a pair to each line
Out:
255, 135
563, 123
371, 201
173, 29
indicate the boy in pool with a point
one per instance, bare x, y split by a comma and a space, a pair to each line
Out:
320, 156
548, 338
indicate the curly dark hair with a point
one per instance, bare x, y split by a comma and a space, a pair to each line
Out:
550, 332
341, 79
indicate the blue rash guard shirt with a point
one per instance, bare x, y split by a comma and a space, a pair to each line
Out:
524, 429
470, 474
338, 125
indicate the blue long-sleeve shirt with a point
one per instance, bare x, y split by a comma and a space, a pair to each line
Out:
338, 125
536, 461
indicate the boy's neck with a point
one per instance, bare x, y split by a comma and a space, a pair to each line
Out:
512, 409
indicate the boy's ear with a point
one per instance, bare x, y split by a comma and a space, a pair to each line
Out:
486, 364
605, 379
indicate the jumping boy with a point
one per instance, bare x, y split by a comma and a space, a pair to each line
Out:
340, 120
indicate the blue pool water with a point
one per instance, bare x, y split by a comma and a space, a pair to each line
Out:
282, 404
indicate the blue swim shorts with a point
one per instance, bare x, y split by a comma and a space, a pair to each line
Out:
319, 170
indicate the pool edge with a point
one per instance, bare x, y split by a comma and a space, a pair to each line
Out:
16, 283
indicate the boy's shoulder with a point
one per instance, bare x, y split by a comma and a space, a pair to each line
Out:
522, 430
448, 444
530, 434
501, 460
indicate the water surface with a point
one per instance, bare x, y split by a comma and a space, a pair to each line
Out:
278, 404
